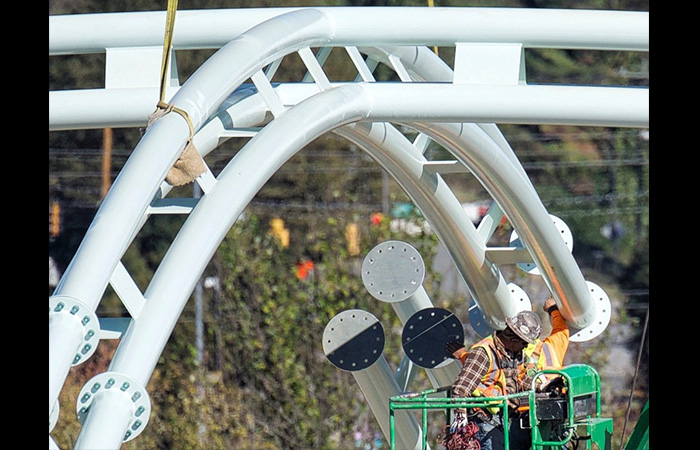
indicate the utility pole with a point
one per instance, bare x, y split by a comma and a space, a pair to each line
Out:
106, 161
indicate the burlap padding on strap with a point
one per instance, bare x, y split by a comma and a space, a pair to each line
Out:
190, 164
187, 167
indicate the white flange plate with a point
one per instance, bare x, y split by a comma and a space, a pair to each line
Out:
603, 309
393, 271
564, 232
478, 320
69, 305
520, 298
118, 383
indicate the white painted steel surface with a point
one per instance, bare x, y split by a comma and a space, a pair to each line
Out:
535, 28
439, 110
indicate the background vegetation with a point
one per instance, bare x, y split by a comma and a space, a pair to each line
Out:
260, 379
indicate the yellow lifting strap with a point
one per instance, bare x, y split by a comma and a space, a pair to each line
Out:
189, 164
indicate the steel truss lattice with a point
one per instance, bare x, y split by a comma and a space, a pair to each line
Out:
457, 108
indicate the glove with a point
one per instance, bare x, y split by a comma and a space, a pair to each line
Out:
453, 347
549, 305
459, 423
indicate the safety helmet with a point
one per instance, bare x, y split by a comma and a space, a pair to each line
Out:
526, 324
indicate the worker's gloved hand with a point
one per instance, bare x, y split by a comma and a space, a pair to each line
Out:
455, 348
459, 423
555, 386
549, 305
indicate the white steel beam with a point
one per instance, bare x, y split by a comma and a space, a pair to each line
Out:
167, 298
236, 186
432, 108
520, 104
442, 26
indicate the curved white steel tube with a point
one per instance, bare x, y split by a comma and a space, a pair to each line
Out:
203, 99
280, 140
121, 213
166, 299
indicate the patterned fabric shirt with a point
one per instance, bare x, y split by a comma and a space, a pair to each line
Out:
476, 364
474, 368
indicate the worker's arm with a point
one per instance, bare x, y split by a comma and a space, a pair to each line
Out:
476, 363
457, 350
558, 340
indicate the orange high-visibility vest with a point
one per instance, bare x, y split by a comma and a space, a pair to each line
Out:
548, 353
493, 383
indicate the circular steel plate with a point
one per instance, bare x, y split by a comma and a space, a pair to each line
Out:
603, 313
426, 333
564, 232
392, 271
353, 340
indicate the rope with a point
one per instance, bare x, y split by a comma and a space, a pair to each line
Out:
167, 46
189, 164
165, 65
431, 3
462, 439
634, 379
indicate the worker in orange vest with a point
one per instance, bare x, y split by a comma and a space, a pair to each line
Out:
548, 353
492, 368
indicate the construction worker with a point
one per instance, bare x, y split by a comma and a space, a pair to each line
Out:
548, 353
492, 368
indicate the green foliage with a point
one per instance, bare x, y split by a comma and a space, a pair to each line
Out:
264, 382
275, 386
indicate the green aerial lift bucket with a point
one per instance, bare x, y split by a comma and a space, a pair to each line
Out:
571, 414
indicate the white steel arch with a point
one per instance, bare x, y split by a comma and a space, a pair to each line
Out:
458, 115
